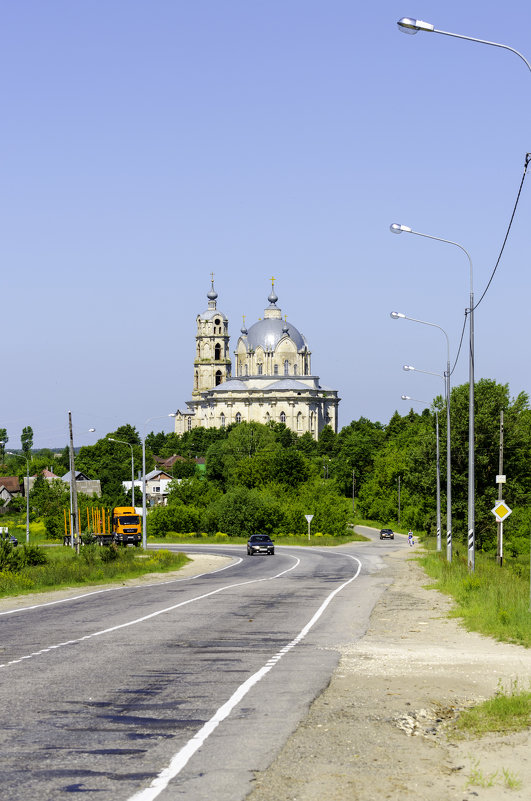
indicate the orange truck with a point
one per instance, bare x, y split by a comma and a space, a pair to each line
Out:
126, 526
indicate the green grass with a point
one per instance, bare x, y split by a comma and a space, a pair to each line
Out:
508, 711
64, 568
493, 600
280, 539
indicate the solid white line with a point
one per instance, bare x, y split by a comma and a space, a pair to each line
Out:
152, 615
182, 757
237, 561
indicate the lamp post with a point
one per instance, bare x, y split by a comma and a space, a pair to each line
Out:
399, 316
27, 490
123, 442
396, 228
74, 540
413, 26
144, 510
416, 400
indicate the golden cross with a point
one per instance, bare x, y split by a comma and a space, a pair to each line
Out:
212, 277
273, 279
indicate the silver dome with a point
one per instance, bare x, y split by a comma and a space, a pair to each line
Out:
270, 331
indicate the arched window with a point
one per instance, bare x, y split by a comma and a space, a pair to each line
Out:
246, 369
217, 352
286, 367
275, 369
189, 424
267, 417
299, 421
196, 380
311, 421
218, 377
282, 417
238, 417
260, 367
294, 369
222, 420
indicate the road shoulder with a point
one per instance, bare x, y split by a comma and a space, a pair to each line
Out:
199, 564
378, 731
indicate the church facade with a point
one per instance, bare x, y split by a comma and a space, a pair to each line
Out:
273, 380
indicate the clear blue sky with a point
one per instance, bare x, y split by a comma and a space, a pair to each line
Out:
146, 144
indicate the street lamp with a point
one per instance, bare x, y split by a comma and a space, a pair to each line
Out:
144, 510
399, 316
123, 442
413, 26
396, 228
27, 490
416, 400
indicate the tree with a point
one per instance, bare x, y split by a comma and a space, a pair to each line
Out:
26, 440
4, 439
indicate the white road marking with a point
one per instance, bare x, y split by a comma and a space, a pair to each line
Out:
182, 757
150, 616
237, 561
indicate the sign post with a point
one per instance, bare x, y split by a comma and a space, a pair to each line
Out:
309, 518
501, 512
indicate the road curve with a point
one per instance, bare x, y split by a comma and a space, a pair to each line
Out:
180, 689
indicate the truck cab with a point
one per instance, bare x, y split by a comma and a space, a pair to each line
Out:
126, 526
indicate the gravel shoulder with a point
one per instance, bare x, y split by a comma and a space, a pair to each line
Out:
378, 730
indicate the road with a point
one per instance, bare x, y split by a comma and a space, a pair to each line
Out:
181, 689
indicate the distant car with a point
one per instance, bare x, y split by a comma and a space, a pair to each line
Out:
10, 538
387, 534
260, 543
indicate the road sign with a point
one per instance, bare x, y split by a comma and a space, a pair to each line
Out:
309, 518
501, 511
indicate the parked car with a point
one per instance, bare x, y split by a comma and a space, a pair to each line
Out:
260, 543
387, 534
13, 540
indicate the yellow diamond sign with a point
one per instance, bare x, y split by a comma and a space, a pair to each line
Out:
501, 511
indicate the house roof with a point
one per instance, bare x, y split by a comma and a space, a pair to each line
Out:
154, 474
79, 476
11, 483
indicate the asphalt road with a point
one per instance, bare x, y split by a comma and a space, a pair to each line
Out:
181, 689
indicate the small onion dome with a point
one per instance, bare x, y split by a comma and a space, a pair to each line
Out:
212, 295
285, 328
273, 297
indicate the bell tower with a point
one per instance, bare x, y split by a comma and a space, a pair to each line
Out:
212, 364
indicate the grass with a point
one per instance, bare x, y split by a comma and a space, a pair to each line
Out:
94, 565
508, 711
279, 539
493, 600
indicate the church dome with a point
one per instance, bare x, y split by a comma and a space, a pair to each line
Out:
267, 333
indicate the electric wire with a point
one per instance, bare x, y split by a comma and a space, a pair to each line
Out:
527, 160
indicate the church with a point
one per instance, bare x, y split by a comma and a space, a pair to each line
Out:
273, 379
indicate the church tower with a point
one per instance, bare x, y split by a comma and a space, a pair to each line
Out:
212, 365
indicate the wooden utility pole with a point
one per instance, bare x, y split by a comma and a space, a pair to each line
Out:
501, 481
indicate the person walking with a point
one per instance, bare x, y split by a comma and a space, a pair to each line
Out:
410, 539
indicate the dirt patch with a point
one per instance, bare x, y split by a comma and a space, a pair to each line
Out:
378, 731
200, 563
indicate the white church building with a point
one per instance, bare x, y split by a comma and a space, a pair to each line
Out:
273, 378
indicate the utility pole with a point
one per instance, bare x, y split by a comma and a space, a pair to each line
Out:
353, 488
398, 501
73, 489
501, 480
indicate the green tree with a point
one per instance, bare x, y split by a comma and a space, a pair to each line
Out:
26, 440
4, 439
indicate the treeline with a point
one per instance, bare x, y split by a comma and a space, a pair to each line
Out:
266, 478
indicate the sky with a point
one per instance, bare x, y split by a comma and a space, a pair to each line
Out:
147, 143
